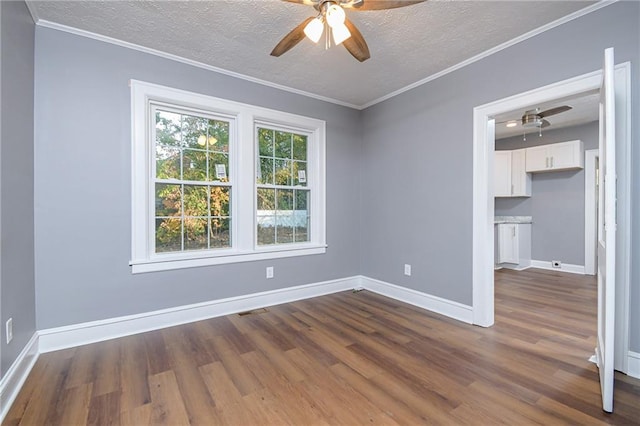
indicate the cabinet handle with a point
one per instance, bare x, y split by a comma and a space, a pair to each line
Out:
513, 231
551, 162
547, 162
511, 189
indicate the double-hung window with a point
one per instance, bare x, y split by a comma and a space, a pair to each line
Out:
215, 181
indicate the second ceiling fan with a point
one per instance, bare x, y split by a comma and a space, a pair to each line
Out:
331, 20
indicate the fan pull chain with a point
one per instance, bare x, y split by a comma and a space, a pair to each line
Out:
327, 36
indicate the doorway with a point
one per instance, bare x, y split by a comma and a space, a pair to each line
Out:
483, 201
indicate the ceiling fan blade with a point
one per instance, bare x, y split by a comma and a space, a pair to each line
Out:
380, 4
545, 123
356, 44
290, 40
554, 111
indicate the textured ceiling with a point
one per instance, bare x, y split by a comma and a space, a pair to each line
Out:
407, 44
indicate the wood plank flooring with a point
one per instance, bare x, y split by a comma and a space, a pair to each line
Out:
347, 358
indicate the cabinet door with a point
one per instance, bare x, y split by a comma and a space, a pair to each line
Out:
537, 159
566, 155
508, 247
502, 174
520, 179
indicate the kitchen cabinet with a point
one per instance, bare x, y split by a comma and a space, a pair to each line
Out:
514, 245
510, 177
555, 157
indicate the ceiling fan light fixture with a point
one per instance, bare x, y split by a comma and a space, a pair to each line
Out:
340, 33
314, 29
335, 16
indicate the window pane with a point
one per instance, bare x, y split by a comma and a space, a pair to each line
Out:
196, 200
168, 235
283, 145
302, 233
168, 199
219, 233
284, 226
168, 128
266, 216
265, 173
220, 200
194, 131
265, 142
300, 173
194, 164
266, 230
167, 162
218, 167
196, 231
266, 200
301, 222
218, 136
282, 172
299, 147
284, 216
302, 200
284, 199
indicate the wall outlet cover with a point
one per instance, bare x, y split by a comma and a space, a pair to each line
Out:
269, 271
407, 270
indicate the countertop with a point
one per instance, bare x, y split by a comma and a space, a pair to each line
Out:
512, 219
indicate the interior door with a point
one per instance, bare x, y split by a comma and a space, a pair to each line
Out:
606, 233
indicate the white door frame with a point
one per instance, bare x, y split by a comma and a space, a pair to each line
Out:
483, 201
590, 208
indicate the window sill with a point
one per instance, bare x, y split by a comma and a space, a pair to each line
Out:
162, 263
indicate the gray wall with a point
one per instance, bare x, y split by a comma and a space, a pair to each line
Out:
557, 199
16, 177
417, 150
83, 179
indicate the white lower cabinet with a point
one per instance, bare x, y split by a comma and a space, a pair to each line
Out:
513, 245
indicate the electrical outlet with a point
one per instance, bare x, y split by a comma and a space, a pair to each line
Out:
269, 271
407, 269
556, 264
9, 330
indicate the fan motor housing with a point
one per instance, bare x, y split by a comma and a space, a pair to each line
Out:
531, 120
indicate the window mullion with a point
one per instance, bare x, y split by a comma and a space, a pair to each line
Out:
245, 188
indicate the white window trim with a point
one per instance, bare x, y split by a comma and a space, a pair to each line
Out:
243, 208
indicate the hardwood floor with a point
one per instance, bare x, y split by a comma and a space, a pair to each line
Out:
348, 358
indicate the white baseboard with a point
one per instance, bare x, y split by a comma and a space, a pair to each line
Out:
566, 267
633, 366
514, 267
13, 380
426, 301
95, 331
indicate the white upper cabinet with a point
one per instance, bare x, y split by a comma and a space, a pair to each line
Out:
555, 157
502, 173
510, 177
